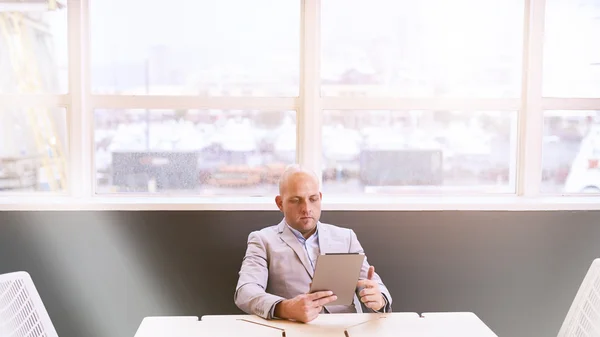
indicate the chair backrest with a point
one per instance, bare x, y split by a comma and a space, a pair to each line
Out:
22, 313
583, 318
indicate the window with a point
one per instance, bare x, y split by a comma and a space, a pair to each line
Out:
404, 152
207, 48
33, 50
195, 152
33, 61
571, 152
571, 70
431, 48
384, 100
571, 51
33, 154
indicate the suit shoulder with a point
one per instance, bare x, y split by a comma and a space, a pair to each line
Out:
266, 231
335, 229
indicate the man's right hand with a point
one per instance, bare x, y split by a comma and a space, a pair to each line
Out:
305, 307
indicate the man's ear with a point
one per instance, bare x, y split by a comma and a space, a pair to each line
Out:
279, 202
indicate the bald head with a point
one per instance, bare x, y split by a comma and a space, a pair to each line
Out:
300, 199
293, 172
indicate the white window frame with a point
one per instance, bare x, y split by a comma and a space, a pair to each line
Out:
80, 104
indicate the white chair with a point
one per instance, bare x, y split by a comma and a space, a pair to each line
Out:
583, 318
22, 313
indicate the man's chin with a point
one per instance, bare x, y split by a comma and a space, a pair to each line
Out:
307, 224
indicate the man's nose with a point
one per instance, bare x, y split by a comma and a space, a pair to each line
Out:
304, 208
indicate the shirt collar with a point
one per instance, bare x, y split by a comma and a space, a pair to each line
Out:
299, 235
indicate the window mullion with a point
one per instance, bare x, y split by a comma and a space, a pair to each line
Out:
531, 120
309, 115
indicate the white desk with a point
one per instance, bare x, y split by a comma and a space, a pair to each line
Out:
463, 323
451, 324
323, 326
326, 325
192, 327
163, 326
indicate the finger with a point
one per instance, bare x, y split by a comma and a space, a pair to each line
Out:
370, 273
366, 283
369, 298
312, 315
312, 310
367, 291
325, 300
309, 316
319, 294
373, 305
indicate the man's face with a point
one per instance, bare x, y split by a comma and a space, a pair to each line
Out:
300, 202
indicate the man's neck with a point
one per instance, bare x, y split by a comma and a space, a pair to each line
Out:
308, 234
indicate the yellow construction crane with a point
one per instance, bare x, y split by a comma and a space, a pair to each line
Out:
17, 33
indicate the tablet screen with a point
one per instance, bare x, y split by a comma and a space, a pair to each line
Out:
339, 273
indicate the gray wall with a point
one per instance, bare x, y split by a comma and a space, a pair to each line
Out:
100, 273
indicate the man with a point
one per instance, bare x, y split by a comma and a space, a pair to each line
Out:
277, 270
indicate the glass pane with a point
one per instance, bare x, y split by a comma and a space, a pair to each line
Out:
571, 48
464, 48
403, 152
33, 150
571, 152
33, 48
205, 152
213, 48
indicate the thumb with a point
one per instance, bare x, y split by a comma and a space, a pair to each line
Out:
370, 273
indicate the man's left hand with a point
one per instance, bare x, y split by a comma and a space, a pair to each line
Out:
371, 294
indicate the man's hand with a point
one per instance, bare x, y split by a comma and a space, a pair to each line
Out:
305, 307
371, 294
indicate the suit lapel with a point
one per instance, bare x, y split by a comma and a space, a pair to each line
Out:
290, 239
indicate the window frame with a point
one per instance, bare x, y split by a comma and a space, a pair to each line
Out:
80, 104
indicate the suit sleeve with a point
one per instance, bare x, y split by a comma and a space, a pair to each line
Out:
355, 247
250, 293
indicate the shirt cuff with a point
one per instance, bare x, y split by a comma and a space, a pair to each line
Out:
385, 305
272, 311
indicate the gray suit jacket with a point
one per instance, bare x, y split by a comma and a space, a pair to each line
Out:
276, 268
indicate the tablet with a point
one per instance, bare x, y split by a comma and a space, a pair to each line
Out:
338, 272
